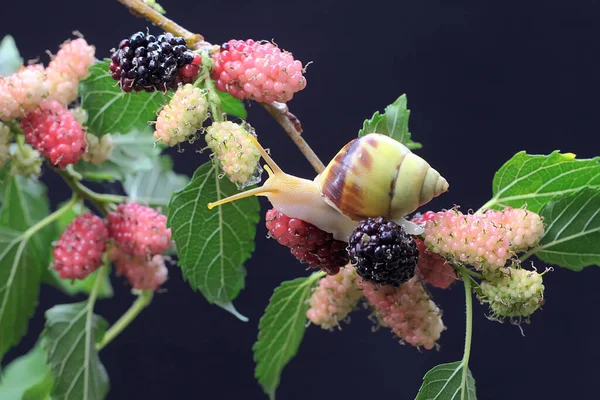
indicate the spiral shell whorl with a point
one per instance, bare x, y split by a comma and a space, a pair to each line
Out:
375, 175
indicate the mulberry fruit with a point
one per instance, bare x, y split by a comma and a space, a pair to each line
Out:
22, 92
53, 131
235, 151
182, 117
79, 250
468, 239
334, 298
382, 252
98, 149
146, 62
434, 269
407, 310
25, 161
141, 273
522, 228
257, 71
138, 230
513, 292
308, 243
70, 65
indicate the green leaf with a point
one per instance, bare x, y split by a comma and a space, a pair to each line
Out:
110, 110
10, 59
573, 230
213, 244
444, 382
393, 123
25, 202
232, 106
535, 179
281, 329
69, 338
131, 153
155, 186
27, 375
19, 287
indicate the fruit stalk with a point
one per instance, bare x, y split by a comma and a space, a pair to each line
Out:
141, 9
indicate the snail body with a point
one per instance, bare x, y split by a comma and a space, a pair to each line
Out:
371, 176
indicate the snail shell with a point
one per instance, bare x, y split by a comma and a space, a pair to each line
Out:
375, 175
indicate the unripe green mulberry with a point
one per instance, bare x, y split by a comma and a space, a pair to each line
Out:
25, 160
98, 149
513, 292
182, 117
235, 151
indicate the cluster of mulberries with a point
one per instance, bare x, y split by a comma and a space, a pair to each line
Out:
334, 298
53, 131
308, 243
468, 239
182, 116
4, 144
513, 292
23, 91
140, 235
407, 310
146, 62
257, 71
382, 252
98, 149
79, 250
237, 155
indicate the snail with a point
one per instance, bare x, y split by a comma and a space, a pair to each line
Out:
371, 176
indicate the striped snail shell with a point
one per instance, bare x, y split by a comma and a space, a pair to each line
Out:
375, 175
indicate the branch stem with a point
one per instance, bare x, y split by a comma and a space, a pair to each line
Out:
468, 332
138, 305
143, 10
100, 201
291, 126
49, 219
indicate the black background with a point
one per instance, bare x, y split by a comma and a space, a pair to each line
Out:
484, 80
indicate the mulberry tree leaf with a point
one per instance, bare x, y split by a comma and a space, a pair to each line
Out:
533, 180
69, 338
393, 123
213, 245
573, 230
110, 110
444, 382
281, 330
10, 59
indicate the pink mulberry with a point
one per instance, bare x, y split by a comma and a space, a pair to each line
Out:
141, 273
522, 228
334, 298
407, 310
257, 71
138, 230
53, 131
467, 238
79, 250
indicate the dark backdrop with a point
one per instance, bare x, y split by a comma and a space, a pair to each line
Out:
483, 82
